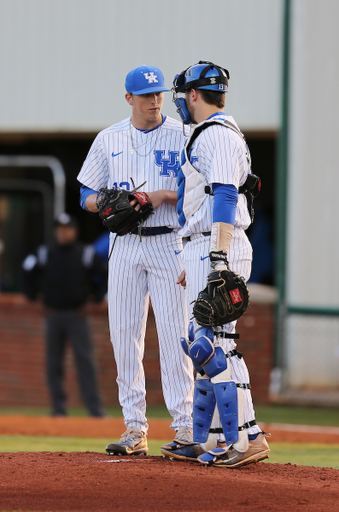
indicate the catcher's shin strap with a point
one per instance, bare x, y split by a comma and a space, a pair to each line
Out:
243, 386
248, 424
234, 352
160, 230
227, 335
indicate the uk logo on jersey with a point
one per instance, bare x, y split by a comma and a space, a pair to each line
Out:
168, 165
151, 77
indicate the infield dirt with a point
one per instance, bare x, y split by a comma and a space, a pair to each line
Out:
90, 481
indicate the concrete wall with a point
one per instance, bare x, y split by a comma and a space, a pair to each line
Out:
63, 63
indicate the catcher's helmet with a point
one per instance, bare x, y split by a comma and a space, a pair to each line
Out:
204, 75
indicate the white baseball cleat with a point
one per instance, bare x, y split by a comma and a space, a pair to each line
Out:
132, 442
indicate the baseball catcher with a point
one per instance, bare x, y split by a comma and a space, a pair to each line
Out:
214, 181
121, 211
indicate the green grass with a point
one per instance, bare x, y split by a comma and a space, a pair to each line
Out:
298, 415
65, 444
313, 454
318, 455
301, 454
266, 414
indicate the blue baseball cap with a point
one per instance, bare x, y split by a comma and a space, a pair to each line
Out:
144, 80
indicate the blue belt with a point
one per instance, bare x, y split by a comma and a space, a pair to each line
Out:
161, 230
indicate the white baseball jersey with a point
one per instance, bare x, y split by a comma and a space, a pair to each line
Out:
219, 154
122, 151
146, 268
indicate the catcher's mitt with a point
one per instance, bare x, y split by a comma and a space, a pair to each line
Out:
225, 299
117, 213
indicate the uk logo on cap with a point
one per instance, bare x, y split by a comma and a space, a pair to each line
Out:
145, 80
151, 77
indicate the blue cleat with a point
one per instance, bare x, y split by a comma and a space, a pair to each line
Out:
179, 451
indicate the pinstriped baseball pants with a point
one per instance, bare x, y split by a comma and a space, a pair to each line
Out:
140, 270
197, 267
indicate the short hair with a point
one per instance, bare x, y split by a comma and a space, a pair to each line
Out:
213, 97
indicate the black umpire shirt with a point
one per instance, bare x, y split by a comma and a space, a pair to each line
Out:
67, 276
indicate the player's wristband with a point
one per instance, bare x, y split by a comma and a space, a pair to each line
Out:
218, 260
218, 256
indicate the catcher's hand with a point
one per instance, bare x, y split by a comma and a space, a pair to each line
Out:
225, 299
121, 210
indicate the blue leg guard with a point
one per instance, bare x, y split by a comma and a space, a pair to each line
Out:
227, 402
203, 409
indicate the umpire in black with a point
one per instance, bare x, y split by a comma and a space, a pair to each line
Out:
65, 276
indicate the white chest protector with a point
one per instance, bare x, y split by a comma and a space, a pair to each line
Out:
193, 186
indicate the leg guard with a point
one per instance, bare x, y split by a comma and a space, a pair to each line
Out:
212, 440
203, 409
230, 400
227, 402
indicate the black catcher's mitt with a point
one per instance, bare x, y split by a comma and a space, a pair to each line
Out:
225, 299
117, 213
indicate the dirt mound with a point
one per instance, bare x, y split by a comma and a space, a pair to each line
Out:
92, 481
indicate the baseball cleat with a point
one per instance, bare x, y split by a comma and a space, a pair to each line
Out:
182, 451
182, 447
132, 442
258, 450
184, 435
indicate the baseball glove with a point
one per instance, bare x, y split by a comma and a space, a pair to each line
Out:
225, 299
117, 213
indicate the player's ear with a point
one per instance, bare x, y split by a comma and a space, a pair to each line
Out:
194, 94
129, 98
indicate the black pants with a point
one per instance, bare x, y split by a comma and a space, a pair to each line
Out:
70, 325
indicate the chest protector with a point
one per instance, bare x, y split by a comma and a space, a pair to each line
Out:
193, 187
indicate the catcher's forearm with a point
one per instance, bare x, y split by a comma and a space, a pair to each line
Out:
91, 203
221, 235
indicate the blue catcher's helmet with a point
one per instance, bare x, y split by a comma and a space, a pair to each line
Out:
204, 75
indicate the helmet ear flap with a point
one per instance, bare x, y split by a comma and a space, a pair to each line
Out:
180, 79
182, 110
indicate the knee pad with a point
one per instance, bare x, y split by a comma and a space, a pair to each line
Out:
184, 345
212, 360
216, 364
203, 409
191, 331
186, 348
202, 348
